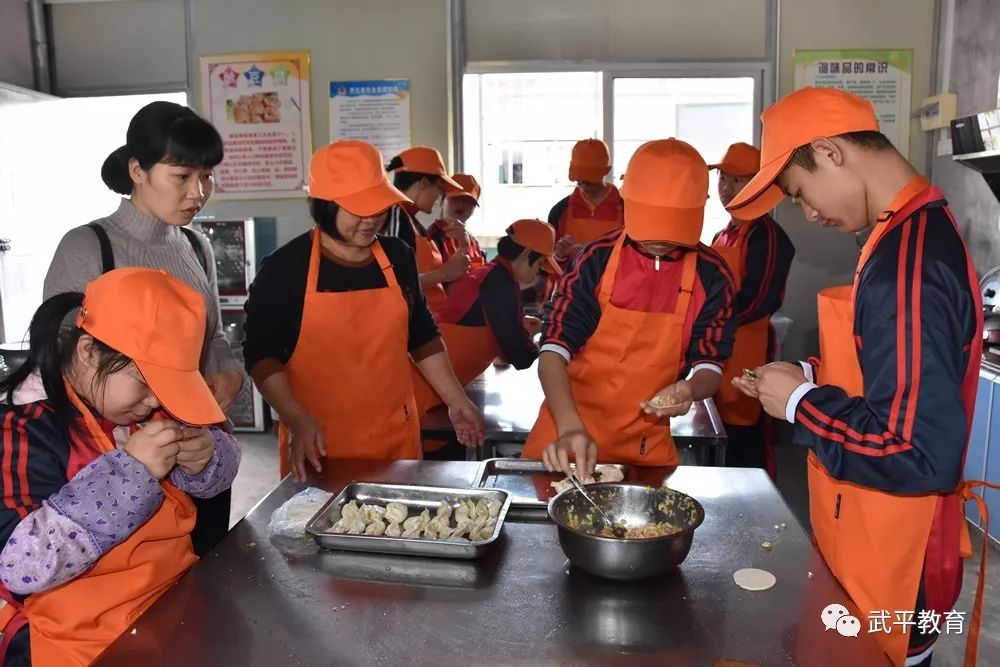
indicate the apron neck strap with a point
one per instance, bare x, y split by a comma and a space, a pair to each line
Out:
100, 438
384, 264
907, 193
312, 278
689, 273
608, 279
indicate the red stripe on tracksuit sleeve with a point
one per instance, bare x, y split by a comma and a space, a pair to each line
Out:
901, 348
564, 291
765, 283
915, 333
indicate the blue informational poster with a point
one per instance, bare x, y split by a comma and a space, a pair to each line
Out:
375, 111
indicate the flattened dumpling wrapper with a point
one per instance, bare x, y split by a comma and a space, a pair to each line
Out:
752, 579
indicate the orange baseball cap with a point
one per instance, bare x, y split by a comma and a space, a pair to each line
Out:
427, 160
470, 187
590, 161
538, 236
794, 121
665, 190
740, 160
159, 322
352, 174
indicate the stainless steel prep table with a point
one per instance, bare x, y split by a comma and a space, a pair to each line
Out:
252, 603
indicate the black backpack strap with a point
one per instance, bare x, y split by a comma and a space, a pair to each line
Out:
107, 255
199, 250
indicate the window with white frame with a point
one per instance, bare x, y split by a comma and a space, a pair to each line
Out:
519, 129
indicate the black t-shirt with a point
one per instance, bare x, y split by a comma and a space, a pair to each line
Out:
499, 303
274, 307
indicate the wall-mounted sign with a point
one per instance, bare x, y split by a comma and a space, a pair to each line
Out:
374, 111
259, 102
881, 76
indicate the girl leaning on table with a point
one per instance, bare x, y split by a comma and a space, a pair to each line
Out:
105, 440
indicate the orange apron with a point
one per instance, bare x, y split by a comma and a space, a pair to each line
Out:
583, 229
73, 623
630, 357
428, 259
589, 228
851, 523
750, 346
350, 367
471, 351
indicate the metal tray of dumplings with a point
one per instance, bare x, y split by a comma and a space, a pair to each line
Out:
416, 499
529, 484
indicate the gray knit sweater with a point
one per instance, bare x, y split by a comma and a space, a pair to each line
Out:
138, 239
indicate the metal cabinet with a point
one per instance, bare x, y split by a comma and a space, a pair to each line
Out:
982, 461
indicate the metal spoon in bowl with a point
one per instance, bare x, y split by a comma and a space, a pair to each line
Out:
616, 528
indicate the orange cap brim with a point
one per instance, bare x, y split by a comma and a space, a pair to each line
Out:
646, 222
550, 265
459, 195
760, 195
184, 394
732, 169
449, 185
372, 201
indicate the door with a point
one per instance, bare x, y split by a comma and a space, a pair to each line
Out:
51, 152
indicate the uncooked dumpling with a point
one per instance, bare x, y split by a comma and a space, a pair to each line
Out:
444, 510
413, 531
608, 473
376, 528
371, 512
485, 531
355, 526
413, 523
430, 531
393, 530
350, 510
463, 528
425, 518
439, 525
494, 508
395, 513
466, 510
482, 509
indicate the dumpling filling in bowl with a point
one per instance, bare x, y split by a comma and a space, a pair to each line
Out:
659, 529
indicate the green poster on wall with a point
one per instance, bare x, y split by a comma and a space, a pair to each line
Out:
882, 76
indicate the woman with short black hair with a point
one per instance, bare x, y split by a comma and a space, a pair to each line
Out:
335, 317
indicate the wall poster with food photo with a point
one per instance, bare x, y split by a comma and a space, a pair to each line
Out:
260, 104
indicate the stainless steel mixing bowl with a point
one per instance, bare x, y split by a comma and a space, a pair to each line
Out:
638, 505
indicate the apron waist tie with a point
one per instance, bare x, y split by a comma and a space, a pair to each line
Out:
972, 642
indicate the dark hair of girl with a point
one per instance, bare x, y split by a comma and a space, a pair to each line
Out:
404, 179
324, 214
163, 132
51, 354
511, 250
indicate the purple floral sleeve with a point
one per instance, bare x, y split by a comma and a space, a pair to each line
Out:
220, 472
99, 508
